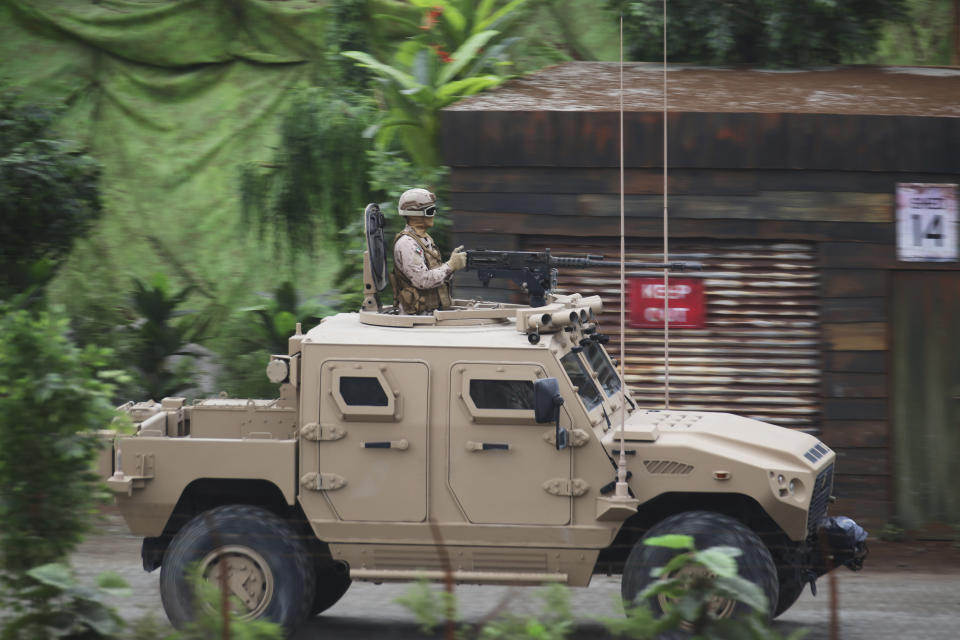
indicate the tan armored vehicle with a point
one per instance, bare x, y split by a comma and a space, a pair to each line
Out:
482, 441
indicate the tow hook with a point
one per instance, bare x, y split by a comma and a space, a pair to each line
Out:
844, 541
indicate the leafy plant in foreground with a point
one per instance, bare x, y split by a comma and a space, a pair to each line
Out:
688, 587
215, 617
690, 583
53, 604
53, 398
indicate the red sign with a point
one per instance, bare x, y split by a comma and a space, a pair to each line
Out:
688, 305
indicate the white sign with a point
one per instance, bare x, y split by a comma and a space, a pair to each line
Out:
926, 222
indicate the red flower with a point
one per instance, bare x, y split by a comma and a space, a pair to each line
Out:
431, 18
443, 55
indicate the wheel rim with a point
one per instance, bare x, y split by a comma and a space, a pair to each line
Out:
248, 578
717, 606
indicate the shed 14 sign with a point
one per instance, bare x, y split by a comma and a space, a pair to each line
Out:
926, 222
687, 303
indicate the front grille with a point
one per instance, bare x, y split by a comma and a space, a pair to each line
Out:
820, 499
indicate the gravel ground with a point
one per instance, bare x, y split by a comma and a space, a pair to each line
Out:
910, 595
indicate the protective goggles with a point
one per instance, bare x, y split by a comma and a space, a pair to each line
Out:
430, 211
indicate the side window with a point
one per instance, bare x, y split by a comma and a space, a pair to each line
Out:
496, 393
362, 391
502, 394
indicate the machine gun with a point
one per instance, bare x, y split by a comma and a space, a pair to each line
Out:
536, 271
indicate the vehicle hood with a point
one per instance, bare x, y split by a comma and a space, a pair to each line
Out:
720, 430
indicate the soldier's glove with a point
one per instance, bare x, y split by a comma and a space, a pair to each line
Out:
458, 259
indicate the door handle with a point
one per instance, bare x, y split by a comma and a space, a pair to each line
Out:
402, 445
487, 446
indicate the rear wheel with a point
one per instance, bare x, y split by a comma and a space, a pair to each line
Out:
255, 553
708, 529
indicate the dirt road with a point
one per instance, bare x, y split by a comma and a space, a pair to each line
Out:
906, 594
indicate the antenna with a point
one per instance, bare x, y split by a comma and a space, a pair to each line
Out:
622, 488
666, 236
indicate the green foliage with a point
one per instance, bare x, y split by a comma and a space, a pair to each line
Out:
53, 604
49, 196
431, 607
462, 49
256, 332
691, 582
148, 627
923, 38
689, 585
563, 30
775, 33
211, 617
555, 622
53, 397
317, 180
161, 332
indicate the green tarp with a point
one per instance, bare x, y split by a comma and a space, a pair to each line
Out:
172, 97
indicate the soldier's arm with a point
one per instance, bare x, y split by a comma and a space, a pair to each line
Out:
413, 265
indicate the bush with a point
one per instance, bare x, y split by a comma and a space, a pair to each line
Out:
254, 333
52, 604
49, 196
691, 581
53, 397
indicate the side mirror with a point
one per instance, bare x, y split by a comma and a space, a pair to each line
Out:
546, 407
546, 400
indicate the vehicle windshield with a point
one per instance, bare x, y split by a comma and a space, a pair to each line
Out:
581, 380
606, 374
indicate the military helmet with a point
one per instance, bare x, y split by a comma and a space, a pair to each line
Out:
418, 202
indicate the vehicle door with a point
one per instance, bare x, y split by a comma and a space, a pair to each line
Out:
371, 439
502, 467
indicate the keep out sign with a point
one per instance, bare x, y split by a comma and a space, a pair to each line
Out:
687, 303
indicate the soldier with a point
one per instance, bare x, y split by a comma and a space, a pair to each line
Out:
420, 278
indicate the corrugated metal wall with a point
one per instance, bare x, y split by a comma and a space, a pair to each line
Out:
759, 353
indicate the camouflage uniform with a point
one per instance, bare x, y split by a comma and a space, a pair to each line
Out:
421, 279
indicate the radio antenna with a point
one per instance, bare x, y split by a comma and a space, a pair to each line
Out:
666, 236
622, 488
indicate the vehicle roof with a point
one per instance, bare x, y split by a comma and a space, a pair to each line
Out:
346, 329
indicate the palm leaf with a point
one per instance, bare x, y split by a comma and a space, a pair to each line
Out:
463, 55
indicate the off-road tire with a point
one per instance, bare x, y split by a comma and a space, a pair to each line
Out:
246, 530
790, 589
333, 580
709, 529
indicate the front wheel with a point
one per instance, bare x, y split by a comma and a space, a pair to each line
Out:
791, 586
256, 554
708, 529
333, 580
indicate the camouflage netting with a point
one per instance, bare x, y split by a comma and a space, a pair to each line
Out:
172, 97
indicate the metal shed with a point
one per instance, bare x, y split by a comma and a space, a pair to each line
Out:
783, 184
